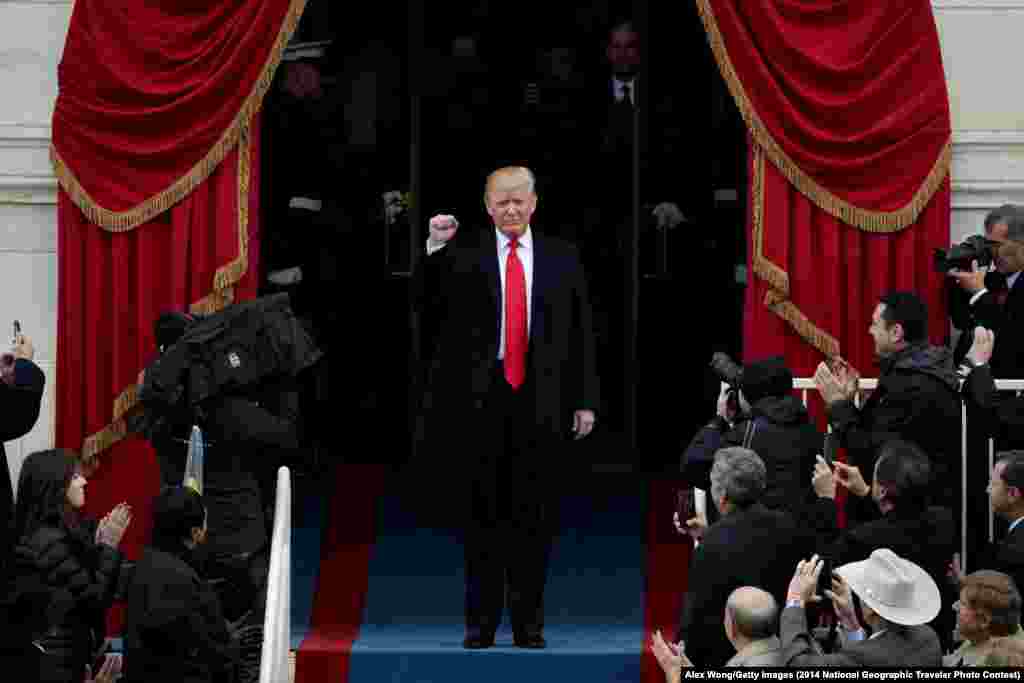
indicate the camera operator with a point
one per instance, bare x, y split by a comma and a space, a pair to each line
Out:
21, 391
995, 300
248, 435
763, 415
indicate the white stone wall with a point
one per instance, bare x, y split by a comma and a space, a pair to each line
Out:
31, 40
981, 54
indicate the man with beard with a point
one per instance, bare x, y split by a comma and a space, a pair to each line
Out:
916, 400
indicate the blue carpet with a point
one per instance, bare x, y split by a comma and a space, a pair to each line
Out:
307, 523
413, 622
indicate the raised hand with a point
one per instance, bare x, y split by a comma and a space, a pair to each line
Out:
442, 229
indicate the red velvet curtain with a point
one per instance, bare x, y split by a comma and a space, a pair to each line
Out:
156, 148
850, 140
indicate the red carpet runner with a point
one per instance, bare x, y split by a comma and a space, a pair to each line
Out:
350, 531
668, 562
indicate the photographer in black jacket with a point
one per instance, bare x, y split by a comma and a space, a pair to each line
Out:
236, 375
769, 420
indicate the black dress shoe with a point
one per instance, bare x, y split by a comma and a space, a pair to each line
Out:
477, 642
530, 641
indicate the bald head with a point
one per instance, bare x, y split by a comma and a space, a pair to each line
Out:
754, 612
510, 199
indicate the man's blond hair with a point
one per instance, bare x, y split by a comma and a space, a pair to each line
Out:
510, 178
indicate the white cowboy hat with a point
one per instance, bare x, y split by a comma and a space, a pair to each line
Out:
897, 589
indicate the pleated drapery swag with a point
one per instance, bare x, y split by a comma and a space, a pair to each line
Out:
850, 141
156, 150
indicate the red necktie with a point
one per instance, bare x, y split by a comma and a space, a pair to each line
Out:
515, 317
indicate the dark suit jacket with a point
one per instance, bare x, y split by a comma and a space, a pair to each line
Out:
1007, 321
458, 292
1005, 556
19, 410
751, 547
1000, 416
913, 646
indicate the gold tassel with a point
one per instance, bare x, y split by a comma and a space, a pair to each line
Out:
864, 219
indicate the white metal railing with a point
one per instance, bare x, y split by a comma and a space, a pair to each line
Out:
274, 665
805, 384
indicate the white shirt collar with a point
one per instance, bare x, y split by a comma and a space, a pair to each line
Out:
1015, 523
1011, 278
618, 91
525, 240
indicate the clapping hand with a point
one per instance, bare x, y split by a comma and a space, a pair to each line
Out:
851, 479
955, 571
670, 656
805, 581
981, 348
694, 528
112, 527
822, 480
108, 673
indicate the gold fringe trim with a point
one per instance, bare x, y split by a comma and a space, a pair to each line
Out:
870, 221
777, 299
122, 221
223, 295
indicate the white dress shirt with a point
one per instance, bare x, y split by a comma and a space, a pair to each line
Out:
619, 90
525, 253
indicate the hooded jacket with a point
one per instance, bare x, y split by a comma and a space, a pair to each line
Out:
917, 400
174, 627
780, 431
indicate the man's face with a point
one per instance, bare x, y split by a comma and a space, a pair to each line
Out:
998, 233
887, 339
511, 210
1003, 496
623, 52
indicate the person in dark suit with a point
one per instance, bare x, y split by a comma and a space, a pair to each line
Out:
996, 300
1006, 488
511, 376
909, 526
885, 593
917, 398
750, 546
21, 391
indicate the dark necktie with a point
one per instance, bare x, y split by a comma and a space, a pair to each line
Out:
515, 317
627, 99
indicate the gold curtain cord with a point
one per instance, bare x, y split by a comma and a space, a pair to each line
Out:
123, 221
864, 219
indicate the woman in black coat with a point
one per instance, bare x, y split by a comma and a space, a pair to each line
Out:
64, 569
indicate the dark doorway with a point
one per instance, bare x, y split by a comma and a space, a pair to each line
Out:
426, 101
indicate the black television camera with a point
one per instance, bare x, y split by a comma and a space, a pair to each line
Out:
730, 372
960, 256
